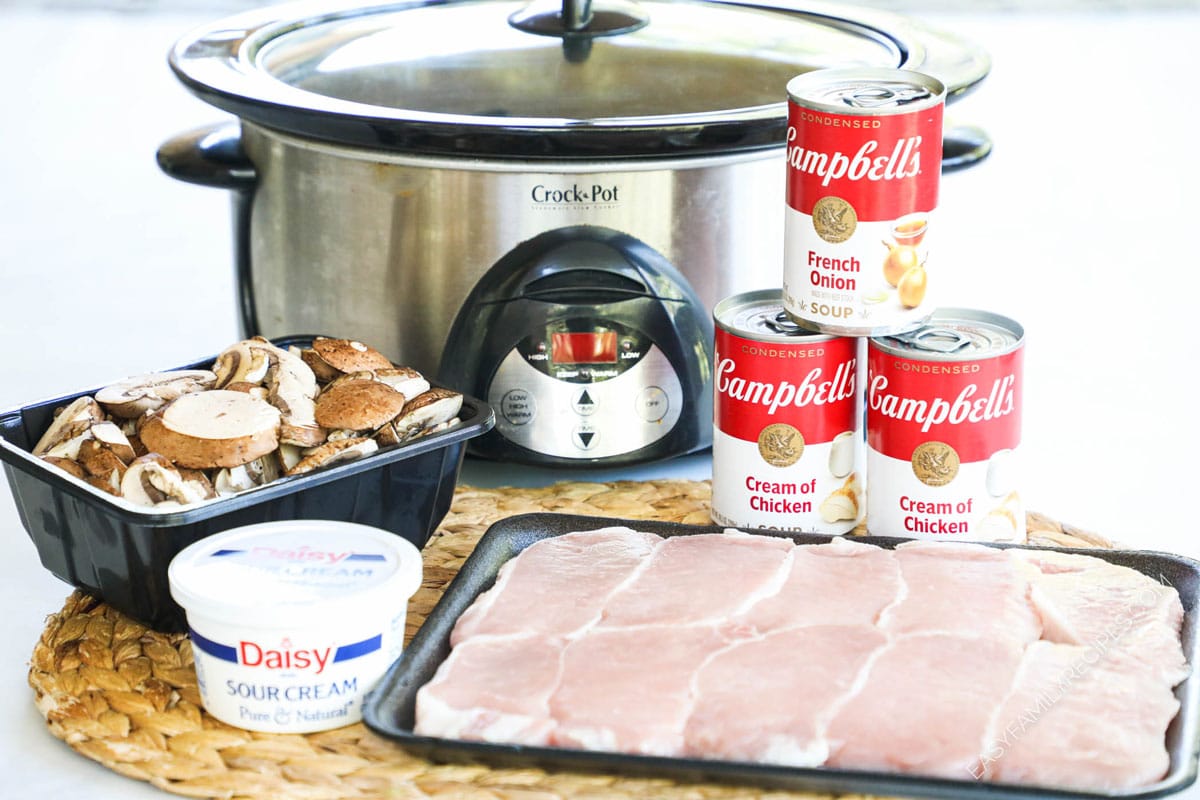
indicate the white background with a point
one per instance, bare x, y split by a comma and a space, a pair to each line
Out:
1082, 225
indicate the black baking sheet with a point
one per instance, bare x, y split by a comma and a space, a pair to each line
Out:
390, 709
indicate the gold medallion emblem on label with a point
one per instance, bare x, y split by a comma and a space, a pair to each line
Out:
935, 463
834, 219
780, 445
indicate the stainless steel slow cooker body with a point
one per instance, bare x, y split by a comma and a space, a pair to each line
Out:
388, 155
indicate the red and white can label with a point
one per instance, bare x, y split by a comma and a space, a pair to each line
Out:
787, 451
862, 191
943, 449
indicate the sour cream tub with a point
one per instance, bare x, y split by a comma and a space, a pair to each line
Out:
293, 622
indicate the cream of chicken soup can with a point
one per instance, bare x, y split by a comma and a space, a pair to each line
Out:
293, 622
786, 437
864, 154
944, 429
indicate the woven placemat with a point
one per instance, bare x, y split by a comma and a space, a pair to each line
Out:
126, 696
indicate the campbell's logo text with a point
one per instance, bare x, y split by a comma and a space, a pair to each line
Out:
815, 389
869, 162
968, 406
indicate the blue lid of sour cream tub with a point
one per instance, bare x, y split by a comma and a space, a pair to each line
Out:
293, 572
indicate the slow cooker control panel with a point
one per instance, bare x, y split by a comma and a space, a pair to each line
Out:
585, 389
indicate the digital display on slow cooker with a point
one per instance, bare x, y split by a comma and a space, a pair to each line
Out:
583, 348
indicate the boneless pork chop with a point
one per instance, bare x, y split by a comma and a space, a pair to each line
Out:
706, 578
1082, 719
769, 700
961, 588
559, 585
839, 583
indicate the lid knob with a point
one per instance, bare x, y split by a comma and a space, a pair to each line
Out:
578, 18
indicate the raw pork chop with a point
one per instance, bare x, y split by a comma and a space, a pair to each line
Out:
839, 583
769, 700
968, 589
495, 689
558, 585
1081, 720
1087, 601
710, 577
925, 705
629, 690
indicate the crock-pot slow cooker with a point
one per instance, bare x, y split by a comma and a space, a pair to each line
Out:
387, 157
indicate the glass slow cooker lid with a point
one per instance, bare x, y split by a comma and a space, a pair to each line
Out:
486, 77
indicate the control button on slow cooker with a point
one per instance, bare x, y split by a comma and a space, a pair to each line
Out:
518, 406
585, 439
651, 404
584, 404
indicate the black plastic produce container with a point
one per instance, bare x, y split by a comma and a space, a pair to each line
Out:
120, 554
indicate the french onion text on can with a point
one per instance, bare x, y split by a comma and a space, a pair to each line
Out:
864, 156
944, 429
786, 439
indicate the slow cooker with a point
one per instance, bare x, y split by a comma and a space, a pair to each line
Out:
397, 167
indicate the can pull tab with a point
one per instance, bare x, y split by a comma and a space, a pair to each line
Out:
782, 323
883, 96
934, 340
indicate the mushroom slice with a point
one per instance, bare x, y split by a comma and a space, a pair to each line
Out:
81, 410
249, 388
258, 472
74, 435
152, 480
66, 465
241, 363
108, 451
330, 358
110, 484
358, 405
405, 380
289, 456
132, 397
212, 429
333, 453
427, 410
293, 389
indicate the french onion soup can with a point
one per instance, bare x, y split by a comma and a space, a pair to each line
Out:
864, 156
787, 445
944, 429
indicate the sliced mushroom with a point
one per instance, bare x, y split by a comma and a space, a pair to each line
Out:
405, 380
213, 429
289, 456
132, 397
334, 453
358, 405
249, 388
152, 480
66, 465
73, 437
330, 358
241, 363
110, 484
293, 389
258, 472
81, 410
108, 451
427, 410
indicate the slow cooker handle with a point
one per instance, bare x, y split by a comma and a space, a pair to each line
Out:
209, 156
213, 156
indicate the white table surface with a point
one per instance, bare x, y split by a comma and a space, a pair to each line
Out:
1082, 225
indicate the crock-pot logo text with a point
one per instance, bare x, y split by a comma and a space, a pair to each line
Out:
574, 195
967, 407
815, 389
904, 160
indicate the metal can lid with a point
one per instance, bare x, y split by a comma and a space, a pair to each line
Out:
855, 90
956, 334
759, 315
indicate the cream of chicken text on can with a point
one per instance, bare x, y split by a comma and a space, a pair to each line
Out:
864, 156
944, 429
786, 438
